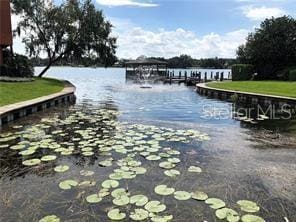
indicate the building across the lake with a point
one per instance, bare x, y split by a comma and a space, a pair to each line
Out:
149, 68
5, 27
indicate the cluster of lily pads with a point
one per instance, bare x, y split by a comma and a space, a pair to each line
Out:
124, 147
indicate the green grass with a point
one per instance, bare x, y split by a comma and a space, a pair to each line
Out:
278, 88
13, 92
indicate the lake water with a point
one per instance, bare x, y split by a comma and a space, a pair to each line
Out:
132, 130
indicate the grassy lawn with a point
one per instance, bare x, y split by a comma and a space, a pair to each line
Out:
12, 92
279, 88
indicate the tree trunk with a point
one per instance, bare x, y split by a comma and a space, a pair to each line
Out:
45, 69
51, 61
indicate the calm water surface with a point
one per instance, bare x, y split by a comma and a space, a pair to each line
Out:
239, 162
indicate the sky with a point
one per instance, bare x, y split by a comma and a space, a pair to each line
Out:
199, 28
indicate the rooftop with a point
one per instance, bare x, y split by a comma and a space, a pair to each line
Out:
146, 62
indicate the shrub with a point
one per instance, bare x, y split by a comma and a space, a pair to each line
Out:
16, 66
242, 72
292, 75
284, 73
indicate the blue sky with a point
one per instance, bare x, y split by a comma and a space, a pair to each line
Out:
200, 28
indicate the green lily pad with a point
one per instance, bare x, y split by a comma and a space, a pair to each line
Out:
27, 152
110, 184
194, 169
248, 206
50, 218
166, 165
121, 201
68, 184
226, 213
199, 195
94, 198
153, 157
174, 160
252, 218
48, 158
115, 214
18, 147
87, 183
173, 152
139, 214
31, 162
117, 193
139, 200
61, 168
182, 195
215, 203
145, 153
155, 206
172, 173
105, 163
164, 190
103, 192
134, 163
89, 153
164, 155
86, 173
139, 170
158, 218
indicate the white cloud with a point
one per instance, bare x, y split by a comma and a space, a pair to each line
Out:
137, 41
18, 45
261, 13
135, 3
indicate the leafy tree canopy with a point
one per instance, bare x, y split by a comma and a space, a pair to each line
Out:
271, 48
73, 29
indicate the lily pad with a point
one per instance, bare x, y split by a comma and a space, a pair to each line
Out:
103, 192
50, 218
182, 195
194, 169
248, 206
94, 198
199, 195
117, 193
158, 218
174, 160
115, 214
61, 168
89, 153
155, 206
110, 184
139, 214
86, 173
172, 173
31, 162
87, 183
215, 203
226, 213
121, 201
164, 190
48, 158
139, 170
153, 157
105, 163
68, 184
252, 218
27, 152
139, 200
166, 165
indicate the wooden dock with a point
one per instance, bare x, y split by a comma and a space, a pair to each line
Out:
193, 78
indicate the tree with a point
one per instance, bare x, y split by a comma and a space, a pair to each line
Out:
271, 48
73, 29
